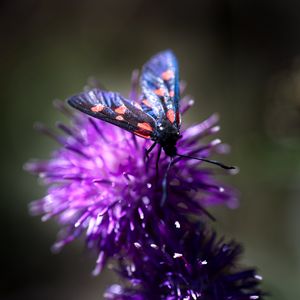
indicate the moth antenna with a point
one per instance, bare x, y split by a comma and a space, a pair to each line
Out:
214, 162
165, 184
157, 163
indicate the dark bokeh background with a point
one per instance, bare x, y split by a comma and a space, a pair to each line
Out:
240, 58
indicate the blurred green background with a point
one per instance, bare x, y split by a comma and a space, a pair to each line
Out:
240, 58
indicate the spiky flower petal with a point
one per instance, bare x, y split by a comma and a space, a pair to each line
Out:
192, 264
102, 184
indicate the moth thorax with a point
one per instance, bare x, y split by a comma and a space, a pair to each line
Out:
168, 137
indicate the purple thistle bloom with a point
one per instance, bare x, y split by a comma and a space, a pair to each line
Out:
102, 185
192, 264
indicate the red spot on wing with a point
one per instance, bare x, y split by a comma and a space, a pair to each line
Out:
171, 115
119, 118
145, 126
121, 110
142, 134
171, 93
97, 108
137, 105
178, 118
147, 103
167, 75
160, 92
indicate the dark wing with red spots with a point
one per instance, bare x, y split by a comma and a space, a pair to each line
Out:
160, 88
113, 108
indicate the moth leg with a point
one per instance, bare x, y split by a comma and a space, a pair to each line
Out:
147, 152
135, 141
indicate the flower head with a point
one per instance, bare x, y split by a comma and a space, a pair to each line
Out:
191, 265
102, 184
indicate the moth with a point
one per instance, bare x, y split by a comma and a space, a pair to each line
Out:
156, 116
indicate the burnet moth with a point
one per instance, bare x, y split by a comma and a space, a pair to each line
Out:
155, 116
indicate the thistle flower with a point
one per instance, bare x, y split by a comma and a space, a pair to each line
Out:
192, 264
101, 183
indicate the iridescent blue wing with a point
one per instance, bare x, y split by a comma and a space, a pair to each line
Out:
160, 88
113, 108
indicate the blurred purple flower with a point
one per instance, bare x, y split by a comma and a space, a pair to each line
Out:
192, 264
101, 183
